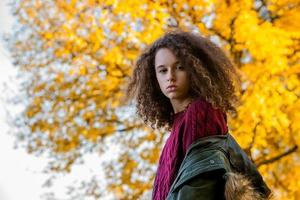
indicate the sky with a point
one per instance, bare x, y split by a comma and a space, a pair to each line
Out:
21, 174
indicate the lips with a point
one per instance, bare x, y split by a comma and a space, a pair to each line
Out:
171, 87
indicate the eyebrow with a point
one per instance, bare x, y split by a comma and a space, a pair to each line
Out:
159, 66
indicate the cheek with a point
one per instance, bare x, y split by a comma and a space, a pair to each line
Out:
159, 81
186, 83
184, 78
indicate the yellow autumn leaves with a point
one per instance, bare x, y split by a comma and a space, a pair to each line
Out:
90, 47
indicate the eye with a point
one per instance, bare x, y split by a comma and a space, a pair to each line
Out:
180, 67
162, 71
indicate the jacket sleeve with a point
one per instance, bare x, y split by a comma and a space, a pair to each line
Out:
208, 186
201, 176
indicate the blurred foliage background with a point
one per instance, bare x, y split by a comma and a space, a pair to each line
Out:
75, 58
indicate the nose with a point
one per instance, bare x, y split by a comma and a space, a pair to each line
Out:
171, 76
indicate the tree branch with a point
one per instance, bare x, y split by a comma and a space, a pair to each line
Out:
278, 157
279, 182
248, 149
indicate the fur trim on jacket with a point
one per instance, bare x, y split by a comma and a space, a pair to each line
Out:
238, 187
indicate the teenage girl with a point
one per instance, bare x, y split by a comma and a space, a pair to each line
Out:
186, 83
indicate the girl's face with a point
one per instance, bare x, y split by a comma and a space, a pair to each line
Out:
170, 72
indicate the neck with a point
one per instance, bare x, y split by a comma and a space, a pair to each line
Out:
180, 104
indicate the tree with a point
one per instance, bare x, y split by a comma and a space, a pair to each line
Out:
76, 58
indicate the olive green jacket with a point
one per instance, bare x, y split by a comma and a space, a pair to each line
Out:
208, 161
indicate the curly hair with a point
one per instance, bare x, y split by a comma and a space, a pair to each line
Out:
211, 73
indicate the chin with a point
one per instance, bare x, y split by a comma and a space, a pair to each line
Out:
173, 96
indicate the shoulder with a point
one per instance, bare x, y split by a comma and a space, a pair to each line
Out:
199, 107
202, 119
198, 104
